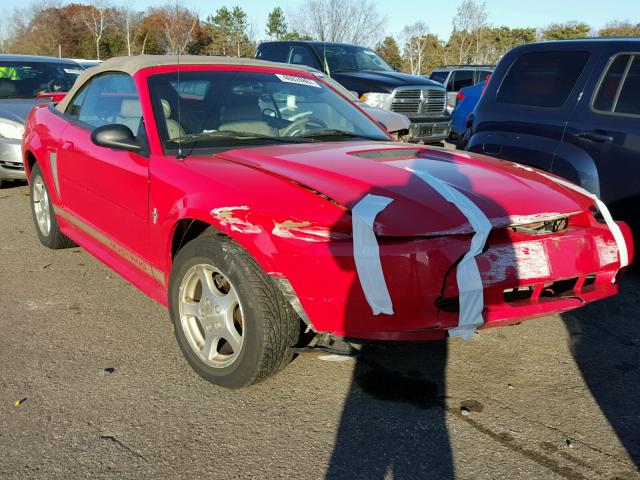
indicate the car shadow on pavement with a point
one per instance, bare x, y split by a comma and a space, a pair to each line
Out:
393, 421
605, 342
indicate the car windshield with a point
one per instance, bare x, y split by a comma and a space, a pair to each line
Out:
348, 58
439, 77
227, 109
28, 79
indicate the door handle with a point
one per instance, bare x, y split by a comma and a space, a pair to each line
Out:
68, 146
599, 137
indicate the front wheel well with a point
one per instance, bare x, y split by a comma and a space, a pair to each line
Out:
186, 230
31, 160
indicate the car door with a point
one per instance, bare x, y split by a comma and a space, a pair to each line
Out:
523, 112
105, 189
601, 145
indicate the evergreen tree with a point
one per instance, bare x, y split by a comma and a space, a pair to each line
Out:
276, 24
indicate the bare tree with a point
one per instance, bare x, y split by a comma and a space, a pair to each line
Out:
128, 22
178, 28
350, 21
95, 18
415, 43
469, 26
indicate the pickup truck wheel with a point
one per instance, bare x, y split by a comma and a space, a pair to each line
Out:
44, 219
231, 322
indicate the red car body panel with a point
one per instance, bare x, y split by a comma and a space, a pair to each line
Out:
289, 207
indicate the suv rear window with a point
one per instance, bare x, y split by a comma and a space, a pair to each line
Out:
274, 52
619, 90
542, 79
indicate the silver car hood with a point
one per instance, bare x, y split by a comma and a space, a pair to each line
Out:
392, 121
17, 109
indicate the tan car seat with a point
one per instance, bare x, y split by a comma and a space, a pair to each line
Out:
243, 114
174, 129
130, 114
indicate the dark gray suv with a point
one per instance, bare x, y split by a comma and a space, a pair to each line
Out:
572, 108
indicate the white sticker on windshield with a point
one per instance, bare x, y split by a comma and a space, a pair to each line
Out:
74, 71
299, 80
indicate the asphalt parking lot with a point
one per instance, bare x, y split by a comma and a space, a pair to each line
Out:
105, 392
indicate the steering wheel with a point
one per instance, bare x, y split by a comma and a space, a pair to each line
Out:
269, 112
57, 85
298, 127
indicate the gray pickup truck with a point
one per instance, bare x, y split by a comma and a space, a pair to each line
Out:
361, 71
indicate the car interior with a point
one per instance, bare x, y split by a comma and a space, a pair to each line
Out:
197, 106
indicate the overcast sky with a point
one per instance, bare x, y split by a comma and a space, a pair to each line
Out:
437, 14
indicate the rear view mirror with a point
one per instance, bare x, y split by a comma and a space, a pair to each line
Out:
116, 136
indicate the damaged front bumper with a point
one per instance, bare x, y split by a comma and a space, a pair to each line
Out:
524, 276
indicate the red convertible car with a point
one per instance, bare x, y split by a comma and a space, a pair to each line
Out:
255, 201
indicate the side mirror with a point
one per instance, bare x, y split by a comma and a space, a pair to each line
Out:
116, 136
396, 69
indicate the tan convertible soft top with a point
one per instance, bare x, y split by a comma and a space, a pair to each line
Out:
133, 64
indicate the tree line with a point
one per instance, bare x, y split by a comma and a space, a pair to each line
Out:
99, 29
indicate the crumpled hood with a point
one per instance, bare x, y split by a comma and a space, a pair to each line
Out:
347, 171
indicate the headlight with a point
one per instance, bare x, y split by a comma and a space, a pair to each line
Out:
377, 100
11, 129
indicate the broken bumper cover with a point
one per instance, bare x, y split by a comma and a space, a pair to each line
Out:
524, 276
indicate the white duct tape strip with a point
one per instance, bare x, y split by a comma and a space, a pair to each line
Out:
613, 226
467, 274
366, 253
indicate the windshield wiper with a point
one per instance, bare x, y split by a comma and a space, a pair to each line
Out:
231, 134
195, 138
329, 132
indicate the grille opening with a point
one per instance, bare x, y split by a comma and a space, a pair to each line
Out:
419, 101
543, 227
12, 166
589, 281
518, 294
559, 288
448, 304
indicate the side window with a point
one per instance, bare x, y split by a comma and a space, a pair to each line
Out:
74, 107
483, 74
542, 79
450, 80
461, 79
629, 99
274, 52
301, 56
112, 98
619, 90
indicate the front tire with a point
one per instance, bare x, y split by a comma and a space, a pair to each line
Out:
44, 219
231, 322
